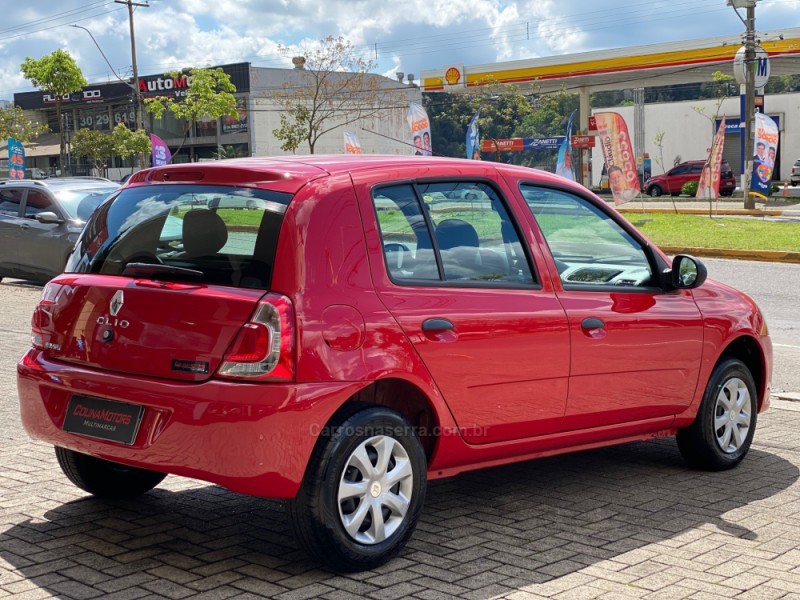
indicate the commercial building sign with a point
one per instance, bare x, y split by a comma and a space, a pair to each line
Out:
149, 87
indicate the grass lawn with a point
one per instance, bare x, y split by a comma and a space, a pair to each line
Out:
695, 231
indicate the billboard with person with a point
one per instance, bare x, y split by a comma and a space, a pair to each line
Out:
623, 179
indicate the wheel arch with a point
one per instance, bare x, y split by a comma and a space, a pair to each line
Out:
746, 349
405, 398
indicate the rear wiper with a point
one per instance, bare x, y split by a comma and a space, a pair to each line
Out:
137, 269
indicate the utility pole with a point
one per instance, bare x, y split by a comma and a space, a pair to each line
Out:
749, 91
750, 100
137, 96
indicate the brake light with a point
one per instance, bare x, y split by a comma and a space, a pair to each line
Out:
41, 318
264, 347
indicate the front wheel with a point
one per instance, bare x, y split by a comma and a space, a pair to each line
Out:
104, 478
655, 191
363, 491
723, 429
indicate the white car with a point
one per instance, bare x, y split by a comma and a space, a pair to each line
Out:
795, 178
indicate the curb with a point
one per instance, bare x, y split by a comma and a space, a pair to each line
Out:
790, 396
760, 255
705, 212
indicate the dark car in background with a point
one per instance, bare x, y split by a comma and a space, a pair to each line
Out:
40, 222
673, 180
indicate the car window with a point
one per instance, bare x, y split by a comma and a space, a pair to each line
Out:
38, 202
679, 170
10, 200
697, 168
456, 232
80, 202
589, 247
230, 234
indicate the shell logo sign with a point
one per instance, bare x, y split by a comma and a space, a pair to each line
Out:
454, 76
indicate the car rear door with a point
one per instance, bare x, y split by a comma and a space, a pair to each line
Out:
455, 271
635, 348
10, 211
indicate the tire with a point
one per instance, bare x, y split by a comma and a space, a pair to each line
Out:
106, 479
655, 191
719, 446
333, 529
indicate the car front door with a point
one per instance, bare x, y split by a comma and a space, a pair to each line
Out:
43, 247
450, 264
635, 348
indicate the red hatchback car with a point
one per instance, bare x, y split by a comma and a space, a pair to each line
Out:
336, 331
673, 180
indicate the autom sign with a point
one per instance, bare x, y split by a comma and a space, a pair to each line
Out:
760, 67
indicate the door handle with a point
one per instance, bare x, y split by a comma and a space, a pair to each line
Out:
437, 325
593, 323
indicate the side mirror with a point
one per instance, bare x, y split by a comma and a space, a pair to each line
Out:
48, 218
687, 273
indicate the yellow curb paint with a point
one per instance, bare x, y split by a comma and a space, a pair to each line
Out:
761, 255
704, 212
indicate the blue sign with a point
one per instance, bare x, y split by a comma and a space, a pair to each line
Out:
542, 143
16, 159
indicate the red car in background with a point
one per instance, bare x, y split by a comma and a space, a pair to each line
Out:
339, 330
673, 180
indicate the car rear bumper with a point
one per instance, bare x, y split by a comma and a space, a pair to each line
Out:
251, 438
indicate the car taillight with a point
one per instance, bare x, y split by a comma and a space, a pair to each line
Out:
264, 347
41, 318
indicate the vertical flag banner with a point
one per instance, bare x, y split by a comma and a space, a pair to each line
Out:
473, 138
16, 159
618, 153
161, 153
420, 127
564, 162
766, 149
708, 186
351, 143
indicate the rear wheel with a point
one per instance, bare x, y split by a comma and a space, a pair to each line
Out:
655, 191
721, 434
104, 478
363, 491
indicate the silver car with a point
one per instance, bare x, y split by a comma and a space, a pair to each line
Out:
40, 222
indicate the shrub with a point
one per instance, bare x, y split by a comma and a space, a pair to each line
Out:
689, 188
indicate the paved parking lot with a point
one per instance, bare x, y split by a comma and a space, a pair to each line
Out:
625, 522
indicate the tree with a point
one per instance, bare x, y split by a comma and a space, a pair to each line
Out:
210, 95
56, 74
129, 143
14, 124
334, 88
720, 84
95, 144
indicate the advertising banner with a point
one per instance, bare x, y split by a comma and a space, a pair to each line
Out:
766, 149
623, 179
16, 159
351, 143
473, 138
420, 127
520, 144
564, 162
236, 124
161, 153
708, 186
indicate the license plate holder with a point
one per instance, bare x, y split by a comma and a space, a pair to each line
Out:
103, 419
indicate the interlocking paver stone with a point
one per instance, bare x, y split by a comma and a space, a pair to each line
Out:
613, 524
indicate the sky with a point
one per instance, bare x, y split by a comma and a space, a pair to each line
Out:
410, 36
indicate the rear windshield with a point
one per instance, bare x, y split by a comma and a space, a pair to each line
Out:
229, 234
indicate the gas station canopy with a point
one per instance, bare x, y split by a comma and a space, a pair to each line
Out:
632, 67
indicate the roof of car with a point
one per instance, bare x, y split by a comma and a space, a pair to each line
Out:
290, 173
60, 182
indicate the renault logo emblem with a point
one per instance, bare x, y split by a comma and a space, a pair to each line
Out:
116, 303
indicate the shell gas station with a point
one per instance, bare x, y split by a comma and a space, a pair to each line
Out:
640, 67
